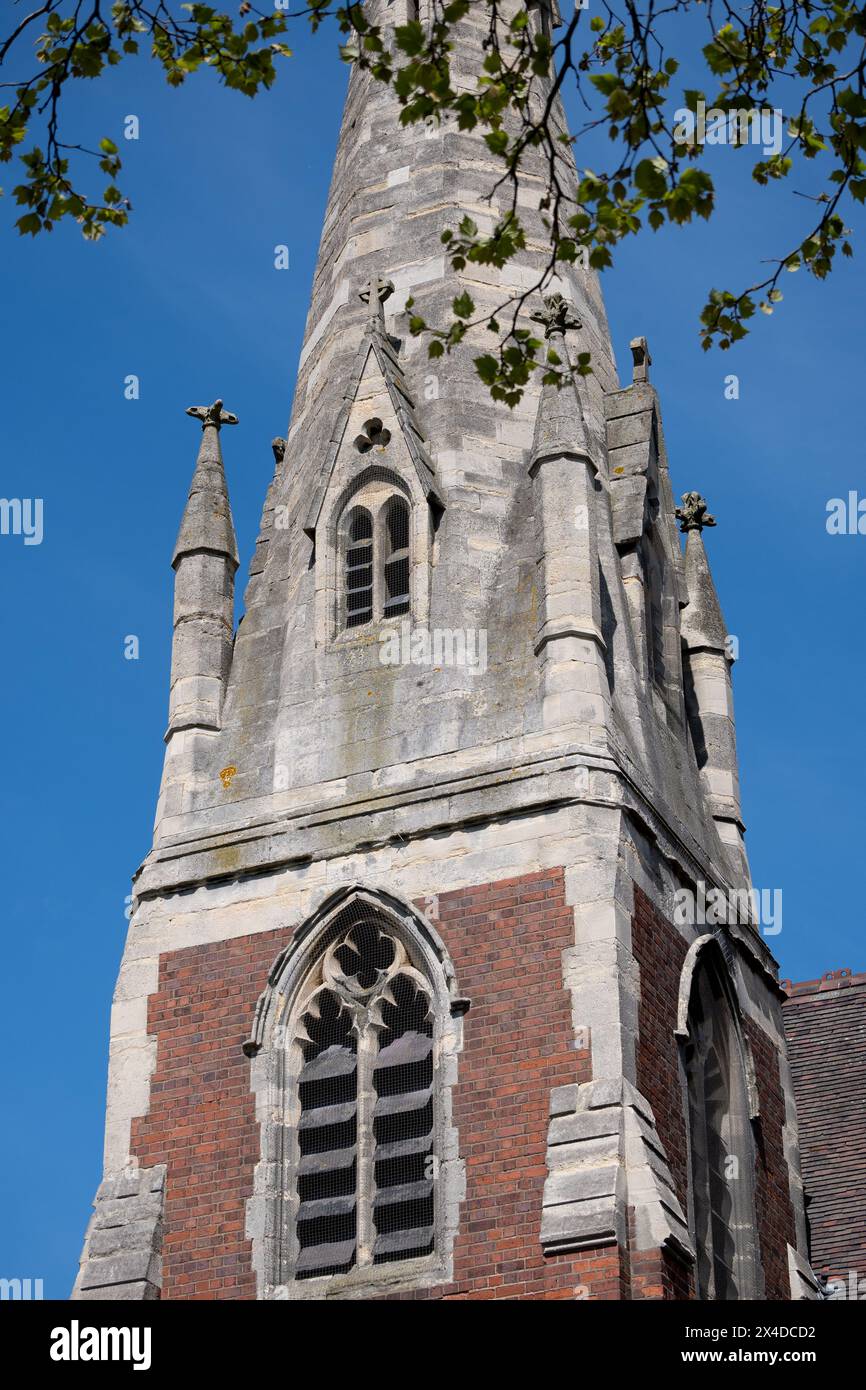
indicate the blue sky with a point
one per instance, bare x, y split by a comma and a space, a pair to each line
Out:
187, 299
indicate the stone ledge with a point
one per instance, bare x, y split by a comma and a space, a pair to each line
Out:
604, 1155
122, 1255
804, 1285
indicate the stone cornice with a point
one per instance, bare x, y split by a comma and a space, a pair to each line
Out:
545, 782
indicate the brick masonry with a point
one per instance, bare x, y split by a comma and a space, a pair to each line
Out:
660, 952
506, 941
658, 1274
825, 1023
776, 1227
202, 1121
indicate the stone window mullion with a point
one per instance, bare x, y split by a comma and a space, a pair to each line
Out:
365, 1176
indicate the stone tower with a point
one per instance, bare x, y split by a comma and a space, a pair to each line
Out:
410, 1004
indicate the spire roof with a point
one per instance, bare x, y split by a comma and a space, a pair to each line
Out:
702, 623
377, 341
207, 520
560, 425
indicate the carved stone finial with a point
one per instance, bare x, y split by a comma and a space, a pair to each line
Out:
212, 415
377, 291
557, 316
640, 355
279, 447
693, 514
374, 437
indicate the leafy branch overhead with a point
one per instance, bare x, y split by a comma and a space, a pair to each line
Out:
619, 64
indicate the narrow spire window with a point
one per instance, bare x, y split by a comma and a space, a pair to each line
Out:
359, 567
396, 558
375, 556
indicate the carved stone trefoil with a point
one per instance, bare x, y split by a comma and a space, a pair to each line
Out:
374, 437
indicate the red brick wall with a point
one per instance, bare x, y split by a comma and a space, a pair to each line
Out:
506, 941
201, 1121
659, 1274
660, 952
773, 1194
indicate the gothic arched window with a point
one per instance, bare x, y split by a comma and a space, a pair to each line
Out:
375, 555
721, 1142
361, 1041
354, 1042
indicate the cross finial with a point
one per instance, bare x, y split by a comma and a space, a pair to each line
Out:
557, 316
377, 291
693, 514
212, 415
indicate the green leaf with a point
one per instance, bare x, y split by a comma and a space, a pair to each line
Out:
487, 368
31, 223
463, 306
650, 179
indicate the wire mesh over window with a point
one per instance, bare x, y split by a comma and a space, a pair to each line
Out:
375, 554
403, 1128
366, 1132
722, 1161
397, 558
359, 568
327, 1139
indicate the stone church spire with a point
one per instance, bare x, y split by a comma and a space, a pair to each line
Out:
564, 465
204, 562
709, 690
207, 519
461, 751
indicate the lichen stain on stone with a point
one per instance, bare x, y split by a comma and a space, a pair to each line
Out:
227, 858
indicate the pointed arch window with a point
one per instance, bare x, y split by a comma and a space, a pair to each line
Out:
375, 542
354, 1046
363, 1039
720, 1140
396, 557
